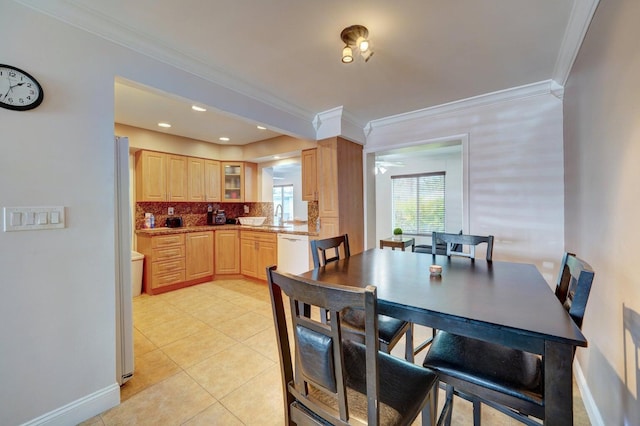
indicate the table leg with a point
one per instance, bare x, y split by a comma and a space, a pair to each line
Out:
558, 386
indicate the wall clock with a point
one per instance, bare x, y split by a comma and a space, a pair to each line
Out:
19, 91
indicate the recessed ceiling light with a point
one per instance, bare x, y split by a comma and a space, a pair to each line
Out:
198, 108
224, 139
276, 157
165, 125
261, 127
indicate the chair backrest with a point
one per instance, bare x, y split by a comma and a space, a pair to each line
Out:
462, 240
319, 249
319, 348
574, 285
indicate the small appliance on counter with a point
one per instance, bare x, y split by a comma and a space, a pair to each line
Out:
210, 215
173, 222
220, 218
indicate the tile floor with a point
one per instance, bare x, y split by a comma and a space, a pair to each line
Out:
206, 355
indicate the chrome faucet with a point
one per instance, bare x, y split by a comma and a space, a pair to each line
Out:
280, 221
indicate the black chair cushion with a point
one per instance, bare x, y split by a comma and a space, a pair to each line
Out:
388, 327
403, 386
493, 366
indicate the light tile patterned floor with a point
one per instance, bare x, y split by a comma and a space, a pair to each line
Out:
206, 355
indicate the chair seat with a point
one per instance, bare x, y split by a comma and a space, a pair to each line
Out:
509, 371
403, 386
388, 327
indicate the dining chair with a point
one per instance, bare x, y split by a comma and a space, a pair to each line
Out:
452, 244
391, 329
509, 380
332, 380
461, 240
441, 248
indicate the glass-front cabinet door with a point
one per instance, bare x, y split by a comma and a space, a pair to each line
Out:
233, 181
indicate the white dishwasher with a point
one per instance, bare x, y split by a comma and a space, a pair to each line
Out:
293, 253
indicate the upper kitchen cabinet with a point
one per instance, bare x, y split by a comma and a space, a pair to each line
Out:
309, 175
212, 180
233, 181
196, 179
161, 177
251, 182
151, 176
204, 180
177, 178
240, 181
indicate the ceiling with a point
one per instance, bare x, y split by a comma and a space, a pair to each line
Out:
286, 53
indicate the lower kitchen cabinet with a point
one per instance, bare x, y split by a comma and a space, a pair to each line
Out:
257, 251
227, 252
199, 255
164, 263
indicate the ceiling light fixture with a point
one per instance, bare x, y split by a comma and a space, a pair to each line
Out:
224, 139
261, 127
165, 125
198, 108
356, 37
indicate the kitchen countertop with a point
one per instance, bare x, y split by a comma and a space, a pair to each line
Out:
302, 229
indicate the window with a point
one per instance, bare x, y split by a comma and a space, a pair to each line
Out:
283, 194
418, 203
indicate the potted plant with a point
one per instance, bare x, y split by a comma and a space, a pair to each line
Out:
397, 233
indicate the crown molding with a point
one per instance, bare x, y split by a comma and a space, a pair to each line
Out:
534, 89
579, 21
337, 122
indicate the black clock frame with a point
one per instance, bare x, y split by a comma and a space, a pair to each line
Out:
33, 105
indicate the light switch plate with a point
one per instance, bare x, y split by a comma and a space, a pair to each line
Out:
33, 218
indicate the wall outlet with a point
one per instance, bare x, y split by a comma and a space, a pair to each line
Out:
246, 209
170, 212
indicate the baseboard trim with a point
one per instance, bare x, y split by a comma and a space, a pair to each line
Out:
587, 397
80, 409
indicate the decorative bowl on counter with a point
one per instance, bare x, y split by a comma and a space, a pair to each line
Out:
252, 220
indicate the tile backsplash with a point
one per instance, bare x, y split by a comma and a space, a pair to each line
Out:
195, 214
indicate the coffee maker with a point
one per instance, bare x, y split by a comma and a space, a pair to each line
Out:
220, 218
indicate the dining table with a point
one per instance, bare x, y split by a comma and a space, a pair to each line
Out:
508, 303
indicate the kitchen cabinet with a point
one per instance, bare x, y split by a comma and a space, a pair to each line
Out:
257, 251
233, 181
161, 176
251, 182
199, 255
227, 252
309, 164
196, 177
164, 263
340, 190
177, 178
151, 176
212, 180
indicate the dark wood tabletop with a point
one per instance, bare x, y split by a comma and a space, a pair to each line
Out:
502, 302
494, 294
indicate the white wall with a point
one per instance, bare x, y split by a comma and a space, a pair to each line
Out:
57, 291
449, 162
602, 145
515, 164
